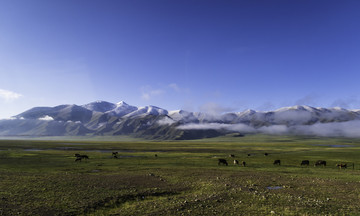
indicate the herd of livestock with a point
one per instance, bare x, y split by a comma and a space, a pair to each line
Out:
222, 161
278, 162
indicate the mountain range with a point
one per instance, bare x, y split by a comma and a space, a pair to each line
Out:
151, 122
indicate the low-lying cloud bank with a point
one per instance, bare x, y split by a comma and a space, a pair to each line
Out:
333, 129
46, 118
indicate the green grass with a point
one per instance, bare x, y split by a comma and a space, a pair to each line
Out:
40, 177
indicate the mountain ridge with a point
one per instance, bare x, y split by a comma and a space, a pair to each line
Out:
152, 122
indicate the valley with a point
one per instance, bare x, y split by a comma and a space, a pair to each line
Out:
41, 177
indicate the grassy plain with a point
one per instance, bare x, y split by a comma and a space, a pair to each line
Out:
40, 177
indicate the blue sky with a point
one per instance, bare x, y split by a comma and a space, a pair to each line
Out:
193, 55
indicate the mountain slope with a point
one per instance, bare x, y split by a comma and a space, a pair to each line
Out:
104, 118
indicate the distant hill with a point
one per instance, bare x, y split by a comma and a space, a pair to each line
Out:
104, 118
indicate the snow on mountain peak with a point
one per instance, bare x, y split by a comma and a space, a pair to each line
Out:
182, 115
296, 108
148, 110
338, 109
247, 112
179, 112
121, 103
174, 112
153, 110
121, 109
99, 106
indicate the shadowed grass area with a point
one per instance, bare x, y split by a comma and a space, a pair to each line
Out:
39, 177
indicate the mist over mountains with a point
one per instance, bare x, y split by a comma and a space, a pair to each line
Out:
151, 122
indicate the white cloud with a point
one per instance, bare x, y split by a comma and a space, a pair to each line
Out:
310, 100
266, 106
346, 102
292, 115
148, 93
334, 129
178, 89
46, 118
166, 121
202, 126
214, 109
218, 126
175, 87
9, 95
274, 129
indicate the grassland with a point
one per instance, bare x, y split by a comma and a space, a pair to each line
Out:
40, 177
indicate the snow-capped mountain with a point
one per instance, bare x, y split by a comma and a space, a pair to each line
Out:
104, 118
182, 116
100, 106
147, 110
121, 108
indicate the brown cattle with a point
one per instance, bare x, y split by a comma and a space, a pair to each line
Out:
341, 166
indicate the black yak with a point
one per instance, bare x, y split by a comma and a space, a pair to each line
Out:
243, 163
276, 162
222, 161
305, 162
320, 163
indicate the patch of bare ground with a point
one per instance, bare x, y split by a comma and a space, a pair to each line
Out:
75, 194
252, 193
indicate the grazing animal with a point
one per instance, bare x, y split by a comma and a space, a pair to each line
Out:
114, 154
81, 156
231, 155
77, 155
236, 162
249, 155
320, 163
78, 159
276, 162
155, 155
243, 164
341, 165
222, 161
84, 156
266, 154
305, 162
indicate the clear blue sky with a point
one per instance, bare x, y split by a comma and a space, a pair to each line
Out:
194, 55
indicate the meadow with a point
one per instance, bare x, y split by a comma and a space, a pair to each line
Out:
41, 177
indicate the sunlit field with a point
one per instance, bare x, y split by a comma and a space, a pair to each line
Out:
41, 177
